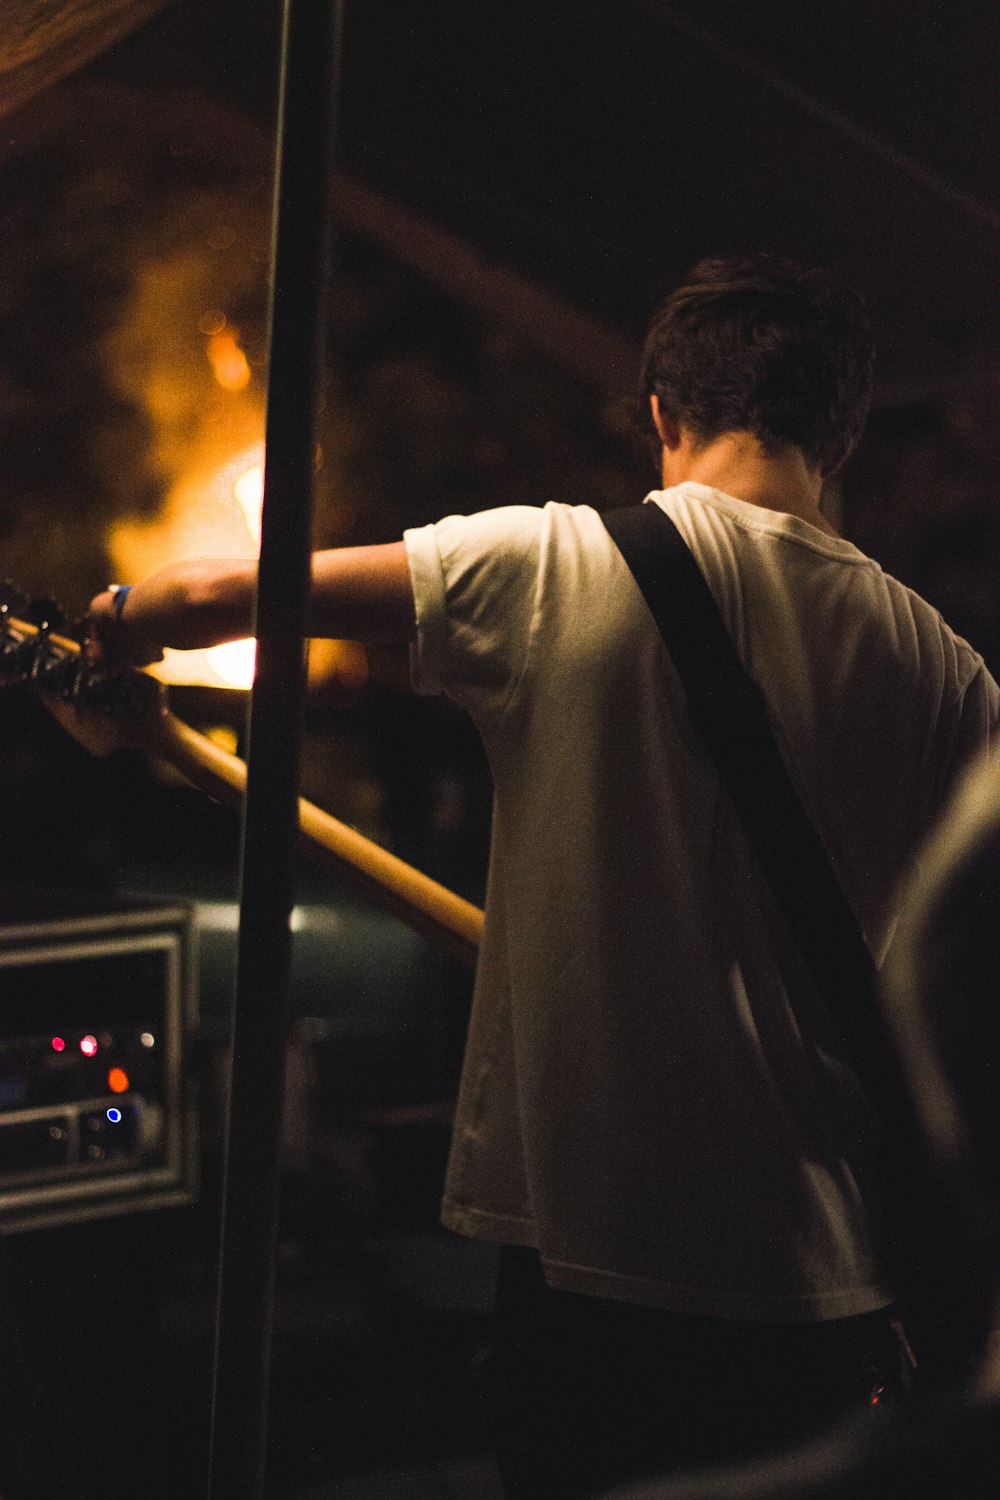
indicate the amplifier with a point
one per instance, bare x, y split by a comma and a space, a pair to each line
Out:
96, 1009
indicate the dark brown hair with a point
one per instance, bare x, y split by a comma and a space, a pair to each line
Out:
763, 345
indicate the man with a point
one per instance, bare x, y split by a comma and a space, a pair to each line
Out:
656, 1118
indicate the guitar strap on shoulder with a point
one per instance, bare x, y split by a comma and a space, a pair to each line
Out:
729, 711
922, 1238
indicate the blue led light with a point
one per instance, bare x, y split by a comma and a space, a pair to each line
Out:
114, 1115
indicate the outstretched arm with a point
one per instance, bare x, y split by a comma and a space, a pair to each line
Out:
358, 593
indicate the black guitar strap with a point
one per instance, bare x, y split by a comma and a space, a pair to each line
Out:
729, 711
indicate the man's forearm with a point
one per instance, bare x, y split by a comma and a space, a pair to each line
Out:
360, 593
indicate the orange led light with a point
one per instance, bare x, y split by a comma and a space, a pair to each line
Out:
117, 1080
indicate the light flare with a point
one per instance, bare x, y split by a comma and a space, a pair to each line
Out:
213, 511
248, 491
233, 664
230, 365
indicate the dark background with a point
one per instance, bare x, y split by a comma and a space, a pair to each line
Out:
602, 148
519, 184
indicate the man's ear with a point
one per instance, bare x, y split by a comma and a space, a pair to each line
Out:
668, 429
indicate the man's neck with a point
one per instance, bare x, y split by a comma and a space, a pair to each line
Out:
736, 464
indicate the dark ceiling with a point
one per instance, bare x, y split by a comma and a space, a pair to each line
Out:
600, 148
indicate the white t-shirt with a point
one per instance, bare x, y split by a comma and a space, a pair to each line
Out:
638, 1101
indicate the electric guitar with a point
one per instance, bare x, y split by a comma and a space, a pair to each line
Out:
108, 709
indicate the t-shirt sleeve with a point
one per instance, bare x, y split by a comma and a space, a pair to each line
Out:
475, 585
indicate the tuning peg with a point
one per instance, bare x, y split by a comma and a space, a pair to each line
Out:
18, 657
45, 613
12, 600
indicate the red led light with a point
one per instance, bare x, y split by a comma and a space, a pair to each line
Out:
58, 1044
88, 1046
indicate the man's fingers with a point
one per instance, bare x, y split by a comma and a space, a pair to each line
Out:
109, 640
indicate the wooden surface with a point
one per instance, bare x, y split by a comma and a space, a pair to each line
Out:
42, 41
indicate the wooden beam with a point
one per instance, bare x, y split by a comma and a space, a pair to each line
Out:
43, 41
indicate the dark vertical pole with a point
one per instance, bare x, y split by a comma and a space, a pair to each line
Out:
310, 57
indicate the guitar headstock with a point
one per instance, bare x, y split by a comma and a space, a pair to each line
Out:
105, 708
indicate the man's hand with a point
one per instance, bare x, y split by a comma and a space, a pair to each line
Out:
111, 641
186, 605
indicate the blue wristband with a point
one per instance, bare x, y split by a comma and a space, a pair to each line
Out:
119, 593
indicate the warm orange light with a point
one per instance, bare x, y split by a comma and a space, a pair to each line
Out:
117, 1080
214, 511
229, 364
234, 663
337, 665
248, 492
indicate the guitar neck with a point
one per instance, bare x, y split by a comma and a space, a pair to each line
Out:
452, 922
85, 704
